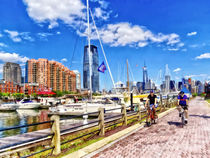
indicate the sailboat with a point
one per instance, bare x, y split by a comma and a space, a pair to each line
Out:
90, 105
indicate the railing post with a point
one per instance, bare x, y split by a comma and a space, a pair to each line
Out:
124, 115
161, 102
56, 141
167, 102
139, 112
101, 121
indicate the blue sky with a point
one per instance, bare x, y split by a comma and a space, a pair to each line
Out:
158, 32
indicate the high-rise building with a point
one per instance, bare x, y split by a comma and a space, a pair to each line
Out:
145, 77
51, 74
12, 72
167, 79
93, 66
78, 80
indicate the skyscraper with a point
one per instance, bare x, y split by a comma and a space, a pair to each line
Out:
93, 67
78, 80
145, 77
12, 72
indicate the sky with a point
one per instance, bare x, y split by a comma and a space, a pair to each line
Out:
155, 32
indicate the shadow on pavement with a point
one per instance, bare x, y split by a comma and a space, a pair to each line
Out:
203, 116
178, 124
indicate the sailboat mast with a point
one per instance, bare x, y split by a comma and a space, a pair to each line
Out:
128, 78
89, 53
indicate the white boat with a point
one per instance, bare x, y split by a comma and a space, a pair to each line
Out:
86, 107
48, 101
28, 104
12, 106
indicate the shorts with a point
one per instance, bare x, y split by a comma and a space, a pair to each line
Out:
185, 107
156, 105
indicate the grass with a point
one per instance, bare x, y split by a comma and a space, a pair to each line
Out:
208, 100
82, 142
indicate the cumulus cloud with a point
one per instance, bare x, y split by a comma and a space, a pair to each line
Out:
18, 37
1, 68
14, 57
68, 11
203, 56
122, 34
64, 60
3, 45
177, 69
14, 35
191, 33
101, 14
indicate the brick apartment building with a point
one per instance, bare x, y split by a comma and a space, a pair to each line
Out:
11, 87
50, 74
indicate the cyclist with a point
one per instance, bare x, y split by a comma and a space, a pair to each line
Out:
183, 103
151, 104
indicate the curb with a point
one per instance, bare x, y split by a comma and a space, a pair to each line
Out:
99, 146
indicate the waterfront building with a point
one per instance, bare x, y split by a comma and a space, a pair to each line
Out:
172, 85
94, 68
51, 74
10, 87
145, 77
140, 86
12, 72
78, 80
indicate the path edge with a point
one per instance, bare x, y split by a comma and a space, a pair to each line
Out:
99, 146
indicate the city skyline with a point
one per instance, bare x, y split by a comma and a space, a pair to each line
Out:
169, 33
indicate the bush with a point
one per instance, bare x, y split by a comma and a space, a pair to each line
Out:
195, 94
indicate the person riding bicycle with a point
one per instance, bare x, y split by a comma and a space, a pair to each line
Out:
151, 104
183, 103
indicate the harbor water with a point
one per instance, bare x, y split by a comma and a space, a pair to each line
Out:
27, 116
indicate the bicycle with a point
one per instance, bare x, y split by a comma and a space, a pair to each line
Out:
182, 117
153, 117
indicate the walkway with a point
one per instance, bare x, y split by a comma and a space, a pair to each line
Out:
167, 139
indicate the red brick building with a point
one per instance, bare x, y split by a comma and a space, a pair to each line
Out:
51, 74
10, 87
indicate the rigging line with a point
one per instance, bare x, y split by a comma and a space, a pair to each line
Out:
131, 71
75, 44
102, 48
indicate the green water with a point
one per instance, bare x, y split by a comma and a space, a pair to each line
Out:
22, 117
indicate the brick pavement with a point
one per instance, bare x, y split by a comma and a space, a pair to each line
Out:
168, 139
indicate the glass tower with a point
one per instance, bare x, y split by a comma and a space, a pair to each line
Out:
94, 68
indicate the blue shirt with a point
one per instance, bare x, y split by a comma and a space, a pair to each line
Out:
182, 100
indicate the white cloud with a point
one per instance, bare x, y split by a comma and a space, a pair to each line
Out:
64, 60
58, 32
122, 34
44, 35
1, 35
177, 69
191, 33
68, 11
3, 45
14, 57
1, 68
103, 4
173, 49
101, 14
18, 37
14, 35
203, 56
199, 75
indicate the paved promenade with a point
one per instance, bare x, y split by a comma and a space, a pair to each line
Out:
167, 139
